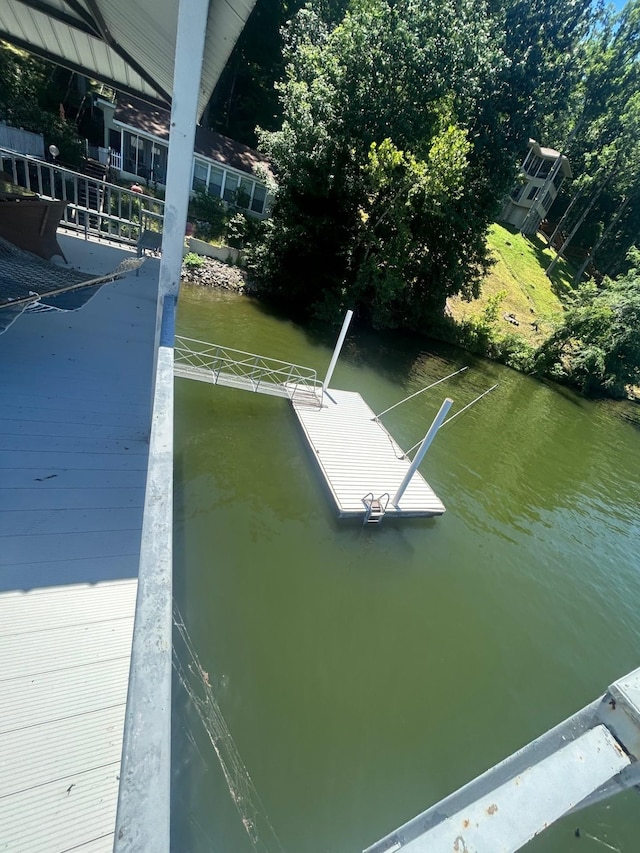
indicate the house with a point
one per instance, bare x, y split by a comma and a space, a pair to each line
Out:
542, 173
137, 135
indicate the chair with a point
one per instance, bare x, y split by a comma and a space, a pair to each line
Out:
149, 241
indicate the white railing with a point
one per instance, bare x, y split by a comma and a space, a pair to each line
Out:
94, 207
244, 369
115, 160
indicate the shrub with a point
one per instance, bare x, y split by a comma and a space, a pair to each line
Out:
210, 214
193, 261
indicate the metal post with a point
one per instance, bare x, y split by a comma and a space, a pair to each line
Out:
192, 25
336, 352
426, 441
190, 39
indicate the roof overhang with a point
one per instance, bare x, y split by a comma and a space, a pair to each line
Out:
127, 44
551, 154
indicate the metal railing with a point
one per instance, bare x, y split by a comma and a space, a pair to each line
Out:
255, 372
94, 207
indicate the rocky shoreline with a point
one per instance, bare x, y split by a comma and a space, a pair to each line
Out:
213, 273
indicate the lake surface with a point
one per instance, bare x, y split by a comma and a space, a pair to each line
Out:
365, 673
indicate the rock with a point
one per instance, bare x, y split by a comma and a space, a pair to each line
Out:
213, 273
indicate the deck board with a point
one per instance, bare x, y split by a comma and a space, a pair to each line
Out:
74, 425
357, 456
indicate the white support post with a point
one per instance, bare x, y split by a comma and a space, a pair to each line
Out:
192, 27
426, 441
336, 352
187, 70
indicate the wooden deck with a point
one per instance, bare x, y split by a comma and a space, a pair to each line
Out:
357, 456
74, 426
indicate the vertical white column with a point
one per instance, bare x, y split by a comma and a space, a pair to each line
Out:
187, 70
338, 347
426, 441
192, 27
142, 821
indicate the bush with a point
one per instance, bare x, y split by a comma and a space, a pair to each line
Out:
243, 230
210, 215
193, 261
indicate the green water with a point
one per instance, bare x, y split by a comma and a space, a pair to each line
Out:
367, 672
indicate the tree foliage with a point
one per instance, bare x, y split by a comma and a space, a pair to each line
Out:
600, 133
402, 126
597, 347
383, 199
30, 99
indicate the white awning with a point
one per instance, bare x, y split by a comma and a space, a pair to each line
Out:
127, 44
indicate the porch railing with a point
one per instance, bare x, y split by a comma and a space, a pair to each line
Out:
94, 207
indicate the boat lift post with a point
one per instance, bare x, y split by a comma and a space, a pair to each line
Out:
426, 442
336, 352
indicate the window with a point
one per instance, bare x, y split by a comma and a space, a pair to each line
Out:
546, 203
258, 200
230, 188
130, 153
159, 155
558, 178
200, 172
216, 178
545, 168
243, 196
532, 192
533, 165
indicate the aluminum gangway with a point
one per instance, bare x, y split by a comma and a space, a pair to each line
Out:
217, 365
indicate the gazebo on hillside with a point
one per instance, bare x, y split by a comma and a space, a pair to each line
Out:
542, 173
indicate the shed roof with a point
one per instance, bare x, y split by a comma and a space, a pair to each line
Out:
155, 120
127, 44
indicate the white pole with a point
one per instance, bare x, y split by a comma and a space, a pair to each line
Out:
426, 441
336, 352
189, 53
192, 26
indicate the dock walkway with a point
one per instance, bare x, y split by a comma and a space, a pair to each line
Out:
74, 427
357, 457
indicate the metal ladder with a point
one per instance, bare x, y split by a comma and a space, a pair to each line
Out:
375, 508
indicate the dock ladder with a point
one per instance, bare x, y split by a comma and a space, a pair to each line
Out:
375, 508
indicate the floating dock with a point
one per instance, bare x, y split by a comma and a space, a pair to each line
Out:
367, 472
359, 458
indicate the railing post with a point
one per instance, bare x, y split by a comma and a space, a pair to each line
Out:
426, 441
336, 352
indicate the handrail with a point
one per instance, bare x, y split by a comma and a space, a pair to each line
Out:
94, 207
257, 369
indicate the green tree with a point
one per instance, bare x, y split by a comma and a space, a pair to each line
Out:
597, 347
602, 127
382, 201
30, 99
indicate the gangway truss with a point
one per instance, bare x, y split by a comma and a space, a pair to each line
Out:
246, 371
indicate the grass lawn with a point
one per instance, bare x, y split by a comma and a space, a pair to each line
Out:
519, 270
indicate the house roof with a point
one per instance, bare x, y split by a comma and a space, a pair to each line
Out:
127, 44
551, 154
155, 121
